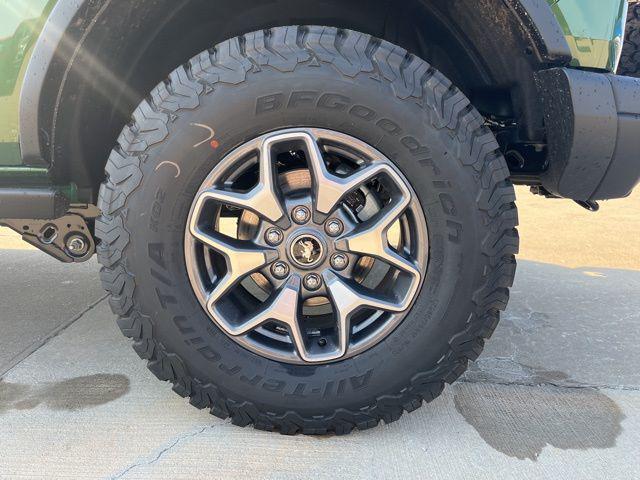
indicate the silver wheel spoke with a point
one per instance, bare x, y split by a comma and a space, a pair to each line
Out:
347, 299
242, 258
263, 199
330, 189
370, 238
282, 307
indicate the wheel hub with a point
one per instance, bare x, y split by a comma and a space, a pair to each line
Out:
307, 250
306, 246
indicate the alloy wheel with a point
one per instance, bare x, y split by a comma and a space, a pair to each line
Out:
306, 246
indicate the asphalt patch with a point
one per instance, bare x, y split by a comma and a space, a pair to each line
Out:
72, 394
520, 421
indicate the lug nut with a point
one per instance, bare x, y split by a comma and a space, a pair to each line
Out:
280, 270
339, 261
274, 236
301, 215
312, 281
334, 227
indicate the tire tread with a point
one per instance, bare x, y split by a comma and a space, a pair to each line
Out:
350, 53
630, 59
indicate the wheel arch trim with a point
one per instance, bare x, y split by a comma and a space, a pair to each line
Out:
70, 23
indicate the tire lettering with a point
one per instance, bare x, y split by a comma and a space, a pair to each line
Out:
449, 208
416, 149
441, 185
428, 162
156, 253
455, 233
180, 323
298, 391
231, 371
165, 299
447, 204
251, 381
333, 101
389, 126
161, 278
269, 103
156, 210
209, 354
362, 112
298, 99
361, 381
274, 385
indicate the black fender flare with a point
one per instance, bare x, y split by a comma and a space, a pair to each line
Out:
543, 27
71, 22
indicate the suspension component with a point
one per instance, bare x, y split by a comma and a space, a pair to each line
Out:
68, 238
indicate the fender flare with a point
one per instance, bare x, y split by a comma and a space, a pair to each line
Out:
543, 28
71, 21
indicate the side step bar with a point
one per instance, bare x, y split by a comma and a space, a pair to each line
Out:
33, 203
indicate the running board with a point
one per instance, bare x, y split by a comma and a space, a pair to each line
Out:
43, 203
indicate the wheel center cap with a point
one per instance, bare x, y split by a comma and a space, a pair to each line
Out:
306, 250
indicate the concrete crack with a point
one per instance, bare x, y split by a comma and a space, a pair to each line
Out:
157, 455
625, 388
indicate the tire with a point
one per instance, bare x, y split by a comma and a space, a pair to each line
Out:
630, 60
242, 89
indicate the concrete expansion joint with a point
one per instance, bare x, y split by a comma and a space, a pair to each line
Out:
584, 386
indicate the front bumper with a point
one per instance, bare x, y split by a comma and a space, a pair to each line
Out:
593, 133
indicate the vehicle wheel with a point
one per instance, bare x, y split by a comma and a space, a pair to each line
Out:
630, 60
307, 229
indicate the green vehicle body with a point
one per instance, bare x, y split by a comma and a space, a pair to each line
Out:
20, 24
593, 29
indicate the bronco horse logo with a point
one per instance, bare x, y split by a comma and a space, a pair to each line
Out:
307, 250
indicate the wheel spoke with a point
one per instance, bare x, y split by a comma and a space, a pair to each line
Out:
281, 307
370, 238
242, 258
263, 199
348, 298
330, 189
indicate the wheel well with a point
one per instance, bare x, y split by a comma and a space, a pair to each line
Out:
115, 52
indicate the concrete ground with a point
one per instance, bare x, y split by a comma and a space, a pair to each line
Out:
556, 393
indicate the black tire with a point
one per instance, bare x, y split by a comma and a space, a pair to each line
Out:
630, 60
404, 104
